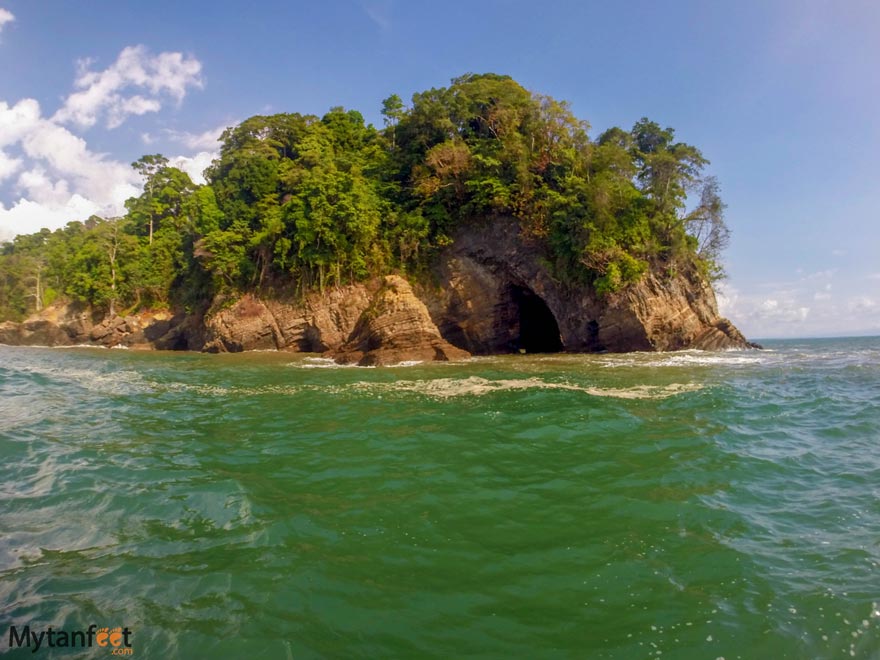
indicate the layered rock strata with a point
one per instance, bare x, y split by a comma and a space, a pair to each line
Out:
491, 292
396, 327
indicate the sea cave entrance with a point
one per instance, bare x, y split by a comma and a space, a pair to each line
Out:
538, 329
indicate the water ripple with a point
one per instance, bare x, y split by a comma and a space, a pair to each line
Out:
683, 505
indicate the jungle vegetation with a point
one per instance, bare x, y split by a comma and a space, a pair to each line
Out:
295, 203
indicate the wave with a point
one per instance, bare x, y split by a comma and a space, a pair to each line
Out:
799, 355
128, 382
683, 359
223, 391
320, 363
94, 380
446, 388
437, 388
330, 363
687, 359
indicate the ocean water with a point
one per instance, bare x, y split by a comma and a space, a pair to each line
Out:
678, 505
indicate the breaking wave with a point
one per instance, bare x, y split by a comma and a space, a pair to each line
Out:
446, 388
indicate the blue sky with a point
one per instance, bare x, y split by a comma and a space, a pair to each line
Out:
782, 97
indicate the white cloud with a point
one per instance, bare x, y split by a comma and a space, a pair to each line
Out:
68, 155
8, 165
27, 216
819, 275
64, 179
861, 304
727, 297
206, 141
786, 311
17, 120
761, 316
194, 165
59, 178
6, 16
41, 189
110, 92
136, 105
807, 306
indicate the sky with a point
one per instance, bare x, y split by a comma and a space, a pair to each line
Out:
782, 96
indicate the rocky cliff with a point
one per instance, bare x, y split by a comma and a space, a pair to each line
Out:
495, 294
491, 292
313, 324
70, 324
396, 327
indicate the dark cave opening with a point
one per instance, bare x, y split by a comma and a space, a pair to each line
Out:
538, 329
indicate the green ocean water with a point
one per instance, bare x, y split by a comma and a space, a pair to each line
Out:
687, 505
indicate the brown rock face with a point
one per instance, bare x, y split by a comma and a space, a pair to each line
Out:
497, 296
677, 313
313, 325
493, 293
73, 324
33, 333
396, 327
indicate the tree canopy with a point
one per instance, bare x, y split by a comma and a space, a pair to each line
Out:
300, 202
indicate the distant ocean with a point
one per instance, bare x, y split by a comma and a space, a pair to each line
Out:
674, 505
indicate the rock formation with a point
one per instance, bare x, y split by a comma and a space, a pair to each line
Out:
495, 295
36, 332
491, 292
72, 324
313, 324
396, 327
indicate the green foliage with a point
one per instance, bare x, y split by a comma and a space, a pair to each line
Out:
102, 271
299, 201
707, 233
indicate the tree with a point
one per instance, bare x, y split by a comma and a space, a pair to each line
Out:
100, 268
37, 266
305, 201
148, 167
222, 253
667, 172
165, 191
705, 224
393, 112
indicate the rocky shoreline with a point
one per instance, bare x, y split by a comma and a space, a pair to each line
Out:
491, 294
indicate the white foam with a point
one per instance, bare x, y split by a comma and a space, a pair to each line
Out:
222, 391
111, 382
445, 388
42, 347
682, 359
319, 363
691, 359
